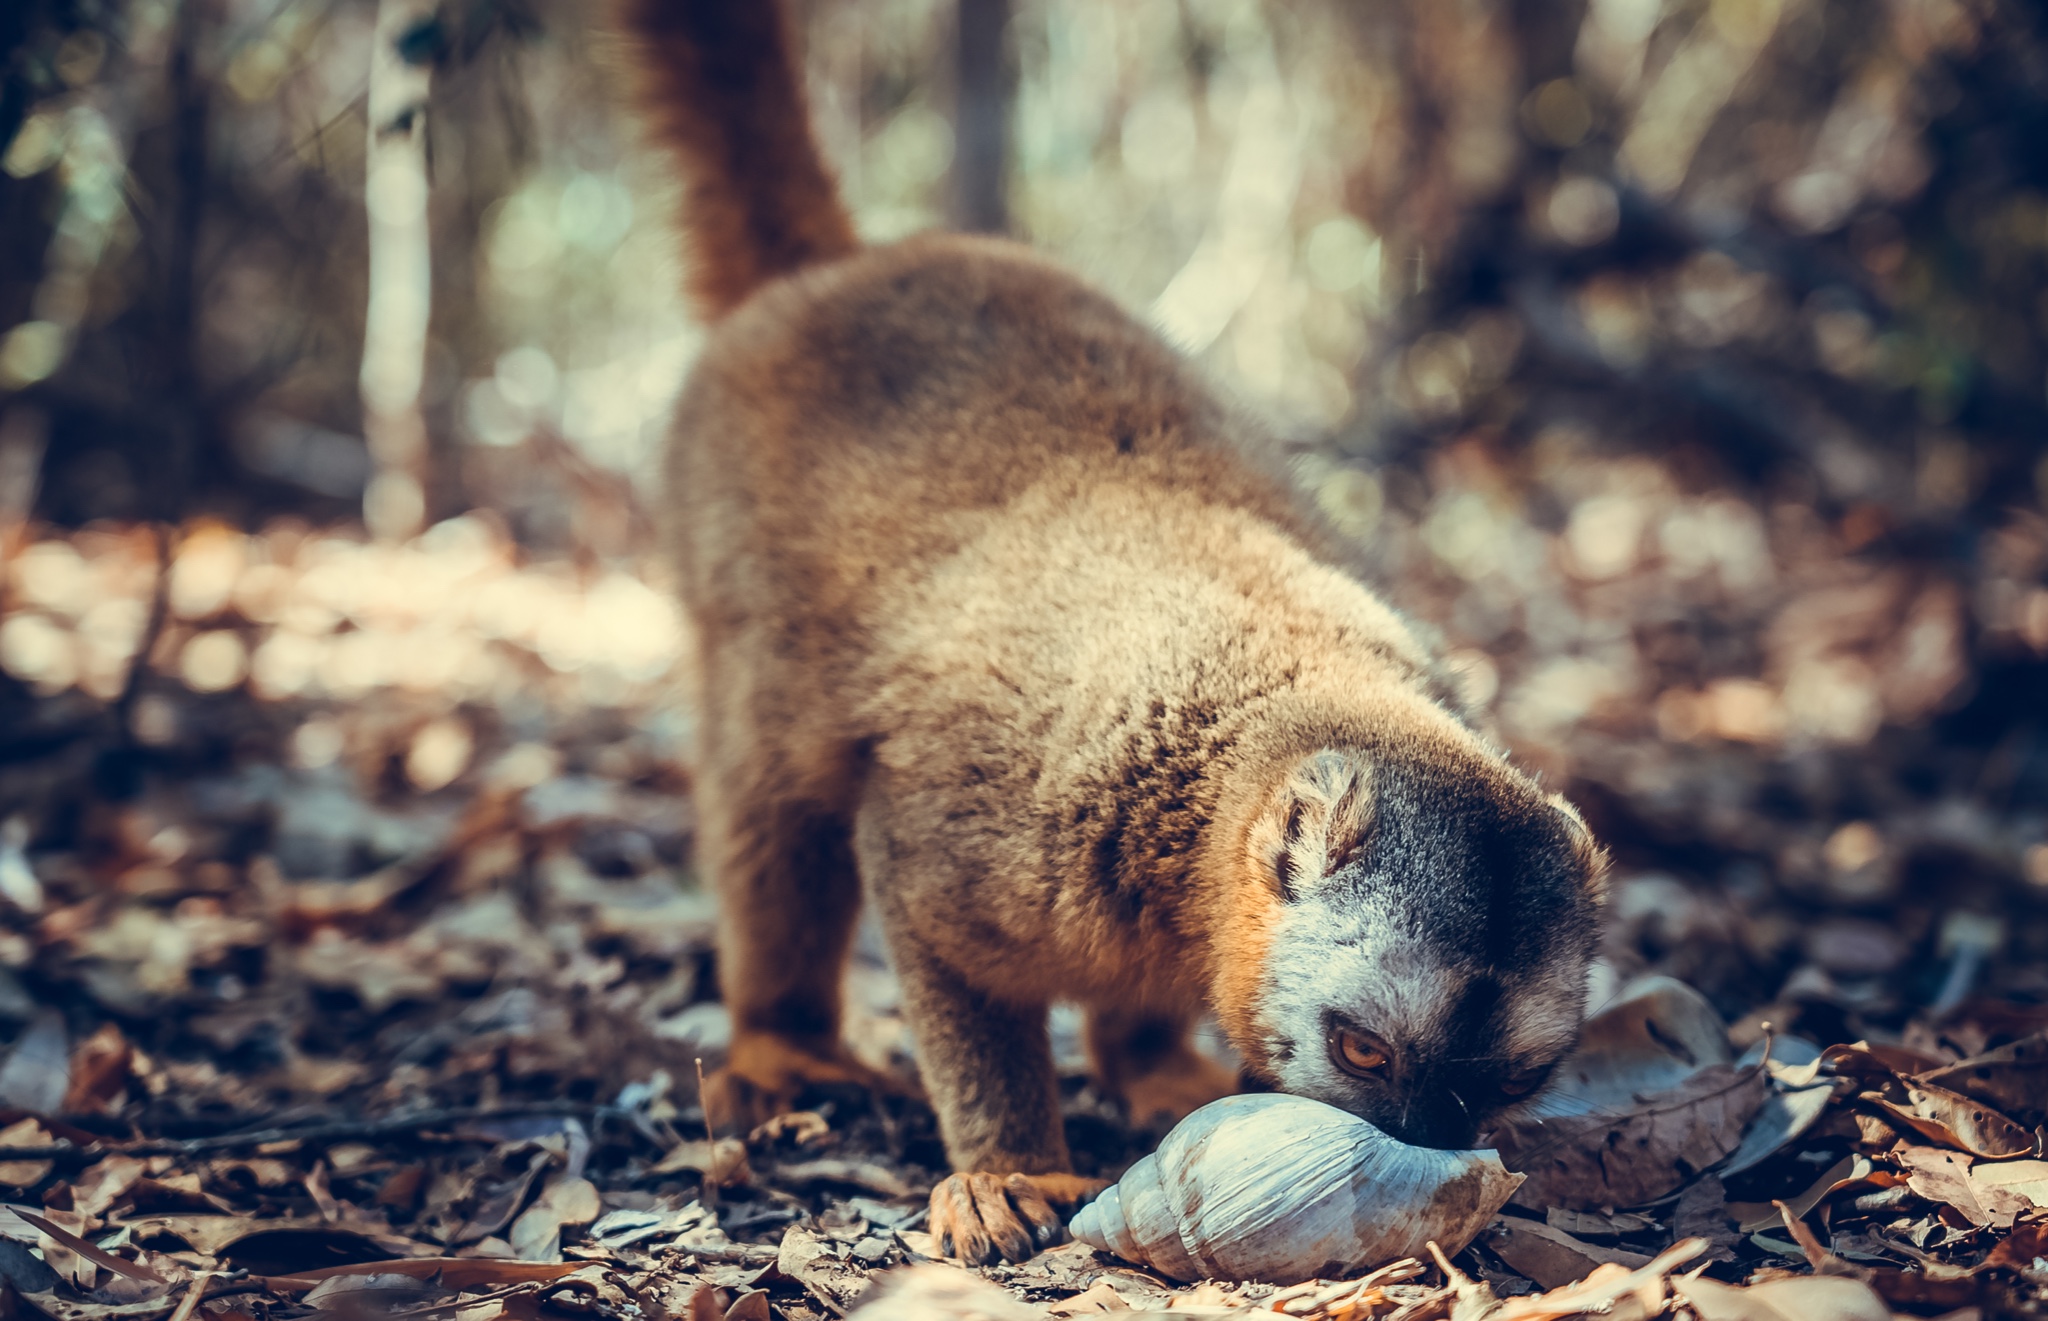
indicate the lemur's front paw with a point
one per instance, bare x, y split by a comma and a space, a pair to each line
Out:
767, 1075
983, 1218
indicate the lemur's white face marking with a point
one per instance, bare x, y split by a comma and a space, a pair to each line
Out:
1429, 964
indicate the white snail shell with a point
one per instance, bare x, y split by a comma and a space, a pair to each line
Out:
1284, 1189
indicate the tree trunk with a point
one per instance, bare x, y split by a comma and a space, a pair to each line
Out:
401, 272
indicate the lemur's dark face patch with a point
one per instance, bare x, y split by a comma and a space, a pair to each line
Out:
1429, 969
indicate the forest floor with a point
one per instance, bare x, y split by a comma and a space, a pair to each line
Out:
350, 960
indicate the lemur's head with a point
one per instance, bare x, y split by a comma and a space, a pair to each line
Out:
1420, 924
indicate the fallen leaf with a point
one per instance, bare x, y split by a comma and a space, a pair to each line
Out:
1703, 1212
2026, 1180
1658, 1033
1096, 1299
99, 1187
498, 1209
1797, 1100
1818, 1254
2025, 1249
811, 1262
1550, 1256
751, 1306
316, 1188
2012, 1078
37, 1073
803, 1127
99, 1070
722, 1162
91, 1252
1602, 1291
1597, 1224
385, 1282
452, 1272
625, 1227
939, 1293
1639, 1155
25, 1173
1953, 1120
853, 1173
293, 1251
23, 1270
536, 1234
1802, 1298
57, 1307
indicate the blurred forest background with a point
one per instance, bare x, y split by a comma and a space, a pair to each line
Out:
1684, 361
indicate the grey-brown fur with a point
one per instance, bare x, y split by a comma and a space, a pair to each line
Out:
998, 623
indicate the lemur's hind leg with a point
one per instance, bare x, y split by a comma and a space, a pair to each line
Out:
1147, 1061
788, 901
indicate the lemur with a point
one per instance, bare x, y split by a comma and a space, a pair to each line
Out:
1006, 620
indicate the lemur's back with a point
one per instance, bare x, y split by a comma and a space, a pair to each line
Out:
850, 425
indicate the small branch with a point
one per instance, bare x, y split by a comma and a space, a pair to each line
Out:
364, 1128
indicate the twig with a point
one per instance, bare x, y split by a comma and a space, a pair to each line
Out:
362, 1128
710, 1192
190, 1302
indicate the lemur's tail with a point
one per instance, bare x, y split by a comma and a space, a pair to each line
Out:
718, 87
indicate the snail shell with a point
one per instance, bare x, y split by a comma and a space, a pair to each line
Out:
1284, 1189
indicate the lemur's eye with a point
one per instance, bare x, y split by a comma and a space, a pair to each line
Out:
1359, 1053
1521, 1084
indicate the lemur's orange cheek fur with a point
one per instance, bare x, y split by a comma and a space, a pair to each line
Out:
1254, 915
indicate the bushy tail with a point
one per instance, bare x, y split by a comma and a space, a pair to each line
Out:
718, 87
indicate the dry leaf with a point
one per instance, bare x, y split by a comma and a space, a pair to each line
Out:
722, 1161
1601, 1291
452, 1272
1628, 1159
864, 1174
25, 1173
384, 1282
498, 1209
940, 1293
2024, 1179
1653, 1037
536, 1234
803, 1127
91, 1252
1550, 1256
1992, 1193
2012, 1078
99, 1070
37, 1072
1802, 1298
99, 1187
1953, 1119
1096, 1299
2026, 1249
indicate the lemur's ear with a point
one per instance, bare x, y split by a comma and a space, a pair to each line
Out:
1318, 820
1586, 850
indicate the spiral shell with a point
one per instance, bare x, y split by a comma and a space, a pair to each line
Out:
1284, 1189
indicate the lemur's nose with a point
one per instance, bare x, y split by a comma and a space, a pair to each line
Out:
1435, 1119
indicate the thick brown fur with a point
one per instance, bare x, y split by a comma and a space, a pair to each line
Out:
716, 87
999, 623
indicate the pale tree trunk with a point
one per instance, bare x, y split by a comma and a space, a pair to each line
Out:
395, 326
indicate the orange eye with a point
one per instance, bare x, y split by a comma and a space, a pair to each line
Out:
1359, 1053
1520, 1084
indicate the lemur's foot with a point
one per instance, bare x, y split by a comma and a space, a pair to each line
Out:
767, 1075
1180, 1084
983, 1218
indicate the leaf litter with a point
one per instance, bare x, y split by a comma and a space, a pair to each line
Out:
367, 987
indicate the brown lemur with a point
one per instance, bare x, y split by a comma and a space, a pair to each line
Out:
1001, 622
